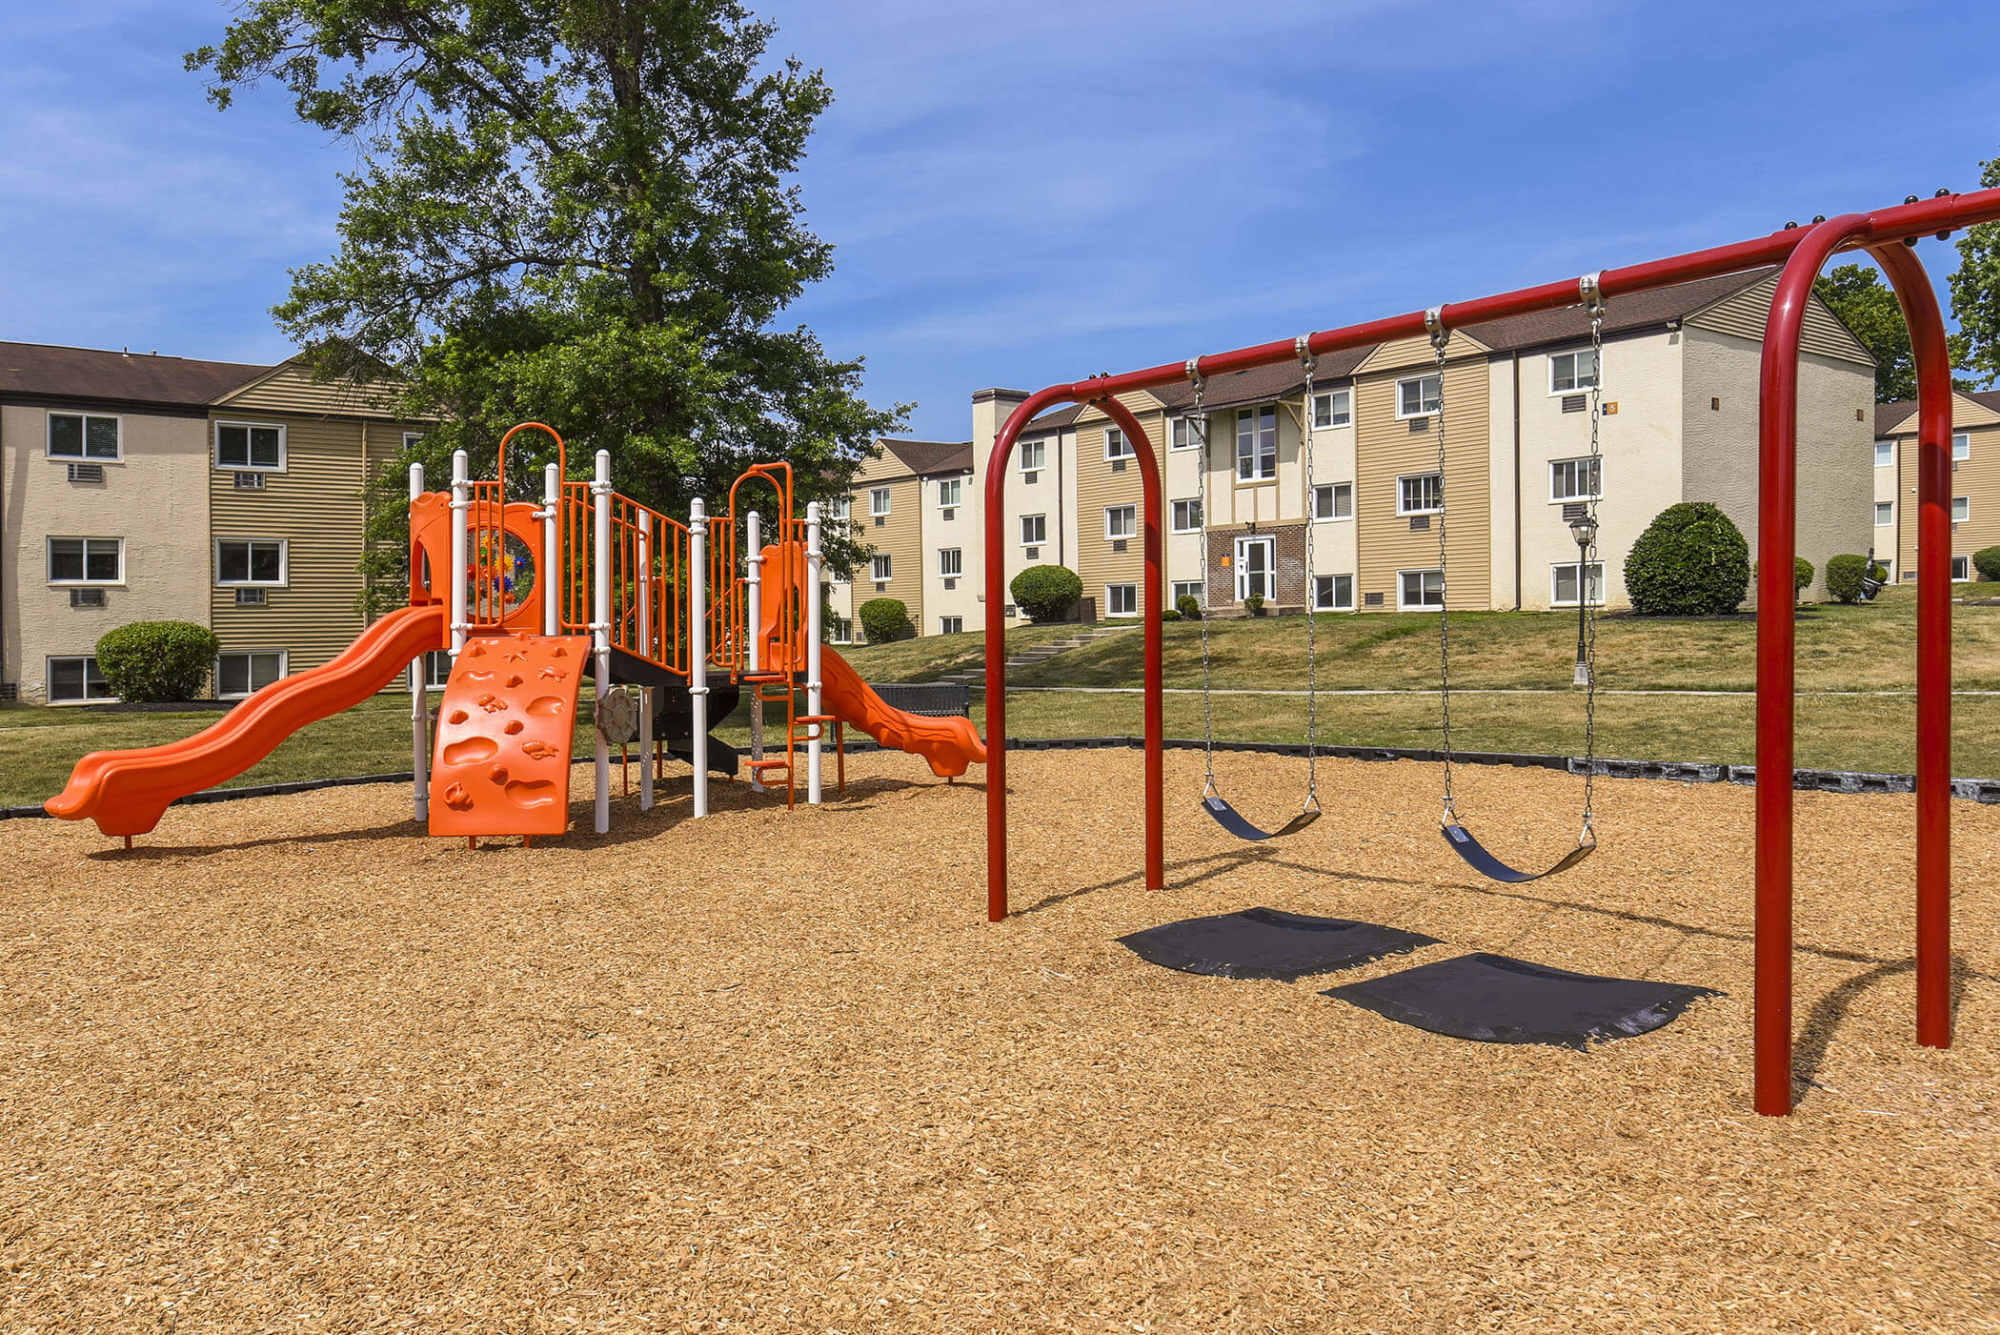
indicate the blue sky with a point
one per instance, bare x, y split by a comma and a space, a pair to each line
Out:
1034, 192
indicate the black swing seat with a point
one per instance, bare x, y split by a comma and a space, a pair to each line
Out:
1493, 869
1230, 819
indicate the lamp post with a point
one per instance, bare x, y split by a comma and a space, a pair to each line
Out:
1584, 529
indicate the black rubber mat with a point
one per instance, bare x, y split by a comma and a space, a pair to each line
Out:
1494, 999
1269, 943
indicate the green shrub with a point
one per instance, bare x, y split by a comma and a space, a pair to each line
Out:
1046, 594
157, 660
1690, 561
1987, 562
1189, 606
885, 620
1802, 576
1846, 577
1254, 604
1170, 614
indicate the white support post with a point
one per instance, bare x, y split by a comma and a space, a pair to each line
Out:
461, 501
551, 517
600, 621
697, 605
753, 620
813, 628
644, 593
420, 682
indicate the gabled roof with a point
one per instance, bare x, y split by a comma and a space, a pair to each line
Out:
89, 373
1636, 310
926, 458
1890, 416
1262, 383
1053, 418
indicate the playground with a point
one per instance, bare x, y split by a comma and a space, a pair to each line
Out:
296, 1066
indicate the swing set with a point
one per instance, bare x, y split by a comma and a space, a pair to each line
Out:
1889, 235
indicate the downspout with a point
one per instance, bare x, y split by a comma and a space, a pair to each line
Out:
1515, 375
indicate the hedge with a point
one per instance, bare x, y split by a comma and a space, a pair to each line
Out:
1045, 594
1690, 561
885, 620
147, 661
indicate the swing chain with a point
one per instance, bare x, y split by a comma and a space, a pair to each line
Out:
1302, 345
1592, 292
1440, 339
1199, 422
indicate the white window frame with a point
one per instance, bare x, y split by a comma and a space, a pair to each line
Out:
838, 508
1961, 563
881, 569
1041, 530
951, 492
1241, 568
1961, 446
284, 546
1131, 592
1332, 491
1191, 506
433, 660
1885, 447
1035, 454
839, 629
1186, 588
83, 442
1117, 434
1181, 434
1339, 409
250, 674
1419, 380
215, 445
1401, 478
882, 495
49, 680
86, 582
1885, 514
1961, 509
413, 438
1577, 464
1578, 384
1558, 567
1263, 467
1403, 606
951, 562
945, 626
1333, 603
1132, 532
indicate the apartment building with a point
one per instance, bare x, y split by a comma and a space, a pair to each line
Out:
1975, 483
140, 487
914, 505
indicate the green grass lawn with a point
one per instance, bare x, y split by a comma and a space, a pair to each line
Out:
932, 656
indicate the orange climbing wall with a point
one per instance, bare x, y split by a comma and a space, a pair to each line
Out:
502, 760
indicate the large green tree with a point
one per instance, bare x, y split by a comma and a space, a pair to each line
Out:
1975, 291
576, 211
1867, 305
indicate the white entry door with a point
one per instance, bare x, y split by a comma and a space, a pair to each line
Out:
1255, 560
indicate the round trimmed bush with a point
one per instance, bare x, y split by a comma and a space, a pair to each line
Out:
157, 660
884, 620
1046, 594
1802, 576
1987, 562
1846, 577
1188, 606
1690, 561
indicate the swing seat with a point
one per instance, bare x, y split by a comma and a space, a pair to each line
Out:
1230, 819
1493, 869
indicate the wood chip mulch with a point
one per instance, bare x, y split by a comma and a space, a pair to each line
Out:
291, 1066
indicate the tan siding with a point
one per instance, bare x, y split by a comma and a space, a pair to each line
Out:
1977, 479
900, 536
1099, 485
291, 389
1745, 313
1417, 351
1386, 448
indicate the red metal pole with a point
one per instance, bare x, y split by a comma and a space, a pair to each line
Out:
1933, 363
1156, 821
1777, 548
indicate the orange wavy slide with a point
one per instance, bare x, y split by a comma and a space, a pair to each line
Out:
126, 792
948, 745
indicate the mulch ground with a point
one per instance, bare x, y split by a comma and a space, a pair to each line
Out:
290, 1066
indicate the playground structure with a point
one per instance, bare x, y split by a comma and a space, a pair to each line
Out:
1889, 235
533, 596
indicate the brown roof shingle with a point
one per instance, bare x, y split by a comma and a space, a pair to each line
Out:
1263, 382
1636, 310
1888, 416
926, 458
88, 373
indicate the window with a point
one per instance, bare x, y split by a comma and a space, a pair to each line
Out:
412, 439
83, 436
437, 669
1961, 569
951, 625
949, 491
1121, 521
1961, 446
1885, 453
1186, 588
1572, 371
1115, 444
839, 508
1418, 590
1417, 396
75, 680
1187, 516
238, 675
1333, 407
1333, 500
839, 630
951, 562
1121, 600
1034, 530
239, 561
1255, 562
86, 560
249, 445
1034, 455
1562, 584
1885, 513
1420, 494
1576, 479
1183, 434
1961, 509
878, 501
1333, 593
878, 567
1257, 444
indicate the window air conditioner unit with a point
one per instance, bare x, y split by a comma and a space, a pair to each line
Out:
1420, 523
1574, 403
1118, 544
1117, 465
1034, 554
86, 597
1030, 475
249, 482
880, 520
250, 597
86, 472
950, 584
950, 512
1371, 600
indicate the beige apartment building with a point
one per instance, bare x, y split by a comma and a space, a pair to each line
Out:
914, 506
1975, 483
140, 487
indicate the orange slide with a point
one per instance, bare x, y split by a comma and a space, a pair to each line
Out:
126, 792
948, 745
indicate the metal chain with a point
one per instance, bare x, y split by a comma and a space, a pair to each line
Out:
1593, 301
1311, 364
1201, 499
1440, 337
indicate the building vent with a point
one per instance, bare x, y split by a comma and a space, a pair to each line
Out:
1573, 511
1419, 425
880, 520
86, 472
950, 584
1574, 403
949, 513
250, 597
1117, 465
1420, 523
1034, 554
1030, 476
10, 691
86, 597
249, 482
1118, 544
1371, 600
